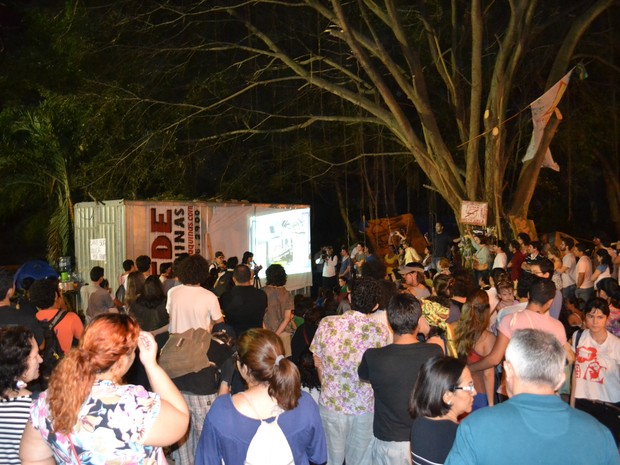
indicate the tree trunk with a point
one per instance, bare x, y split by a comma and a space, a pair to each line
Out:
344, 213
530, 171
610, 174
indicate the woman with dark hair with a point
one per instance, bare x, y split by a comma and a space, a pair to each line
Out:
442, 294
604, 267
19, 364
88, 416
463, 285
481, 258
149, 310
474, 341
305, 332
609, 289
134, 286
280, 305
235, 427
596, 376
573, 315
247, 258
442, 393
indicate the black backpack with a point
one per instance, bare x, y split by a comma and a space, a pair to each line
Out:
52, 352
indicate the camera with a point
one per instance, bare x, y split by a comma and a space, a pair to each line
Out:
323, 253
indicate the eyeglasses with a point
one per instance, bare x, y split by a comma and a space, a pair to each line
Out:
464, 388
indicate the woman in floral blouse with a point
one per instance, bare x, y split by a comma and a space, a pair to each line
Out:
87, 416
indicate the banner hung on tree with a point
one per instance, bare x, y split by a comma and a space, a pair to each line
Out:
542, 109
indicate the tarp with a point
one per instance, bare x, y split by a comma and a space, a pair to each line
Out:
380, 233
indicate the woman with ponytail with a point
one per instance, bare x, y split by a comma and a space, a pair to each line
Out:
272, 421
87, 416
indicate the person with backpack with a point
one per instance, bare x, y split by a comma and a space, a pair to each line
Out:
273, 422
596, 375
44, 295
60, 327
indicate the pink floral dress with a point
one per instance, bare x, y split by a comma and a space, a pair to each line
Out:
111, 427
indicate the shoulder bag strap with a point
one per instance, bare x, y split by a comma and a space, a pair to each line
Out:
57, 318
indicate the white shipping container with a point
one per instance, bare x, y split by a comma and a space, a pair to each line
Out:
109, 232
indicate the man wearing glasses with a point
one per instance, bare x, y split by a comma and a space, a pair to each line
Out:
535, 425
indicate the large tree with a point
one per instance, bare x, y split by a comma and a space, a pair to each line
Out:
250, 99
449, 82
444, 78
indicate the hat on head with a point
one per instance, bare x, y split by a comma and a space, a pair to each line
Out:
35, 270
409, 268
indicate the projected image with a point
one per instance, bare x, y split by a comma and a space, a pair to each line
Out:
282, 237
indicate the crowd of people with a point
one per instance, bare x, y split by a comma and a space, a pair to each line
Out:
384, 365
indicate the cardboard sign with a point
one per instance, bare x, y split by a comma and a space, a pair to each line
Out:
474, 213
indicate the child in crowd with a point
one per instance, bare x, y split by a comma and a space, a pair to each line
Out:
506, 296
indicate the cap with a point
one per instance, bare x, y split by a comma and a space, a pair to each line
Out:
36, 270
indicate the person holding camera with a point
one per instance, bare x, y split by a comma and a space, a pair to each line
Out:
330, 262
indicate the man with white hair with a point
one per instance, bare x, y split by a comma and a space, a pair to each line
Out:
535, 425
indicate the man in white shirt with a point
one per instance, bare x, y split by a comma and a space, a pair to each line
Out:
96, 276
583, 274
330, 262
190, 305
568, 267
501, 259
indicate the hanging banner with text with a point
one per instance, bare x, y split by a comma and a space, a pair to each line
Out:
173, 230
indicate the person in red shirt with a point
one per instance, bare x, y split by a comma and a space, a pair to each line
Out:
45, 295
514, 266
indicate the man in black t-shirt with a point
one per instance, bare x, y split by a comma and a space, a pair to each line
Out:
392, 371
243, 305
440, 242
533, 258
10, 315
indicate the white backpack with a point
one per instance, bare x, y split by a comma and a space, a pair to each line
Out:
269, 446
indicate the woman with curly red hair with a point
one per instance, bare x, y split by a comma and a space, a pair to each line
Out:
88, 416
